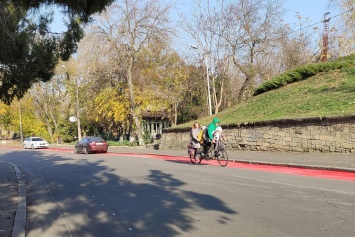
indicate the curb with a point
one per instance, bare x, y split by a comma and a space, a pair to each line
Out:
19, 227
313, 167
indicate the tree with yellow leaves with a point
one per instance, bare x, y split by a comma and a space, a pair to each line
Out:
21, 110
129, 27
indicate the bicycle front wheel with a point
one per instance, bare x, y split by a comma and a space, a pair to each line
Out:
222, 158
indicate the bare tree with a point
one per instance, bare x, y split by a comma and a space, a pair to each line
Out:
249, 29
50, 101
341, 38
220, 82
239, 34
201, 25
132, 25
297, 44
46, 100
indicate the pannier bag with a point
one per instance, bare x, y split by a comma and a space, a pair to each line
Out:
190, 149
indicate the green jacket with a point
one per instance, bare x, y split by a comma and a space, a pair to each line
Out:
212, 127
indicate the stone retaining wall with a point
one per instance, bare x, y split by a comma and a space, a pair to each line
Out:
317, 134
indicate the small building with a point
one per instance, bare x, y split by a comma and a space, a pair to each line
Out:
155, 122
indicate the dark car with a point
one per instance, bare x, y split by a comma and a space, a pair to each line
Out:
91, 145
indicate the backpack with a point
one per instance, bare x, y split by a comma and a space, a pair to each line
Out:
205, 136
200, 136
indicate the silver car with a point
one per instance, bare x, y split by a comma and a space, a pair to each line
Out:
35, 142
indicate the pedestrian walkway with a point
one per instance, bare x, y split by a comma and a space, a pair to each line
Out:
8, 198
10, 180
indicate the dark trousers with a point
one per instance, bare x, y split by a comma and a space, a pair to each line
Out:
206, 147
197, 152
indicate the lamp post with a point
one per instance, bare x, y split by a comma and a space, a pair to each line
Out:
208, 82
78, 109
77, 103
21, 132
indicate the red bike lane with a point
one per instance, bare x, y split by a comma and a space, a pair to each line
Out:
319, 173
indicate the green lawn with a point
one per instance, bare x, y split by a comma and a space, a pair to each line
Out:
326, 94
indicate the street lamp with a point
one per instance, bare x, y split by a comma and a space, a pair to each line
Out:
21, 132
208, 82
77, 103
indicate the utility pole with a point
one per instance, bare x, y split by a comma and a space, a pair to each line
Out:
324, 55
21, 132
208, 88
77, 107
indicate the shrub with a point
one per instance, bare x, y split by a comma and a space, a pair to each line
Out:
303, 73
147, 137
121, 143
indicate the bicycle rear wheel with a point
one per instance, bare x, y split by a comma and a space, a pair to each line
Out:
222, 158
194, 161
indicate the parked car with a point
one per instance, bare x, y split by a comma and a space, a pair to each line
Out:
91, 145
35, 142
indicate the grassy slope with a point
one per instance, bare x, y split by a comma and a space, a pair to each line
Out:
326, 94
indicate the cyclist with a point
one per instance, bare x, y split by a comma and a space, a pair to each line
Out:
195, 141
208, 136
217, 137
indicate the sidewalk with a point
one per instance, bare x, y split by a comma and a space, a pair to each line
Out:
8, 198
11, 186
12, 201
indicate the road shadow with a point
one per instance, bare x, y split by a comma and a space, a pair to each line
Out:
82, 197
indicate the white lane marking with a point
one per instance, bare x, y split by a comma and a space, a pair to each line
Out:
55, 203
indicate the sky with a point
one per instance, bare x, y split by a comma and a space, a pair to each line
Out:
312, 9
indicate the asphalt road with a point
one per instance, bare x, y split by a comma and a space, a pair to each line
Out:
122, 195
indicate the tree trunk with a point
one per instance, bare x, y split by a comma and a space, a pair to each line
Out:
175, 112
217, 101
53, 120
45, 111
243, 93
133, 108
48, 123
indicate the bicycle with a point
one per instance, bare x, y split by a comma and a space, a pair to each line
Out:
219, 154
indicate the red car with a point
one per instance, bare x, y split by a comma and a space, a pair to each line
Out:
91, 145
